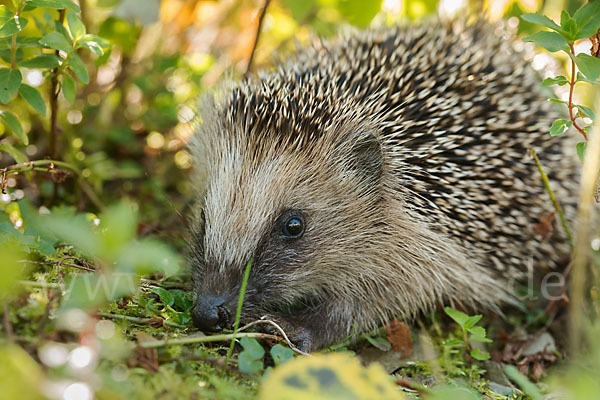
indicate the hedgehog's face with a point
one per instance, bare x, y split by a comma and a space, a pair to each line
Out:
301, 215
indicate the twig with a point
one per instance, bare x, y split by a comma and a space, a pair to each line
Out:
285, 337
261, 17
6, 322
238, 312
555, 203
52, 164
54, 98
206, 339
138, 320
589, 176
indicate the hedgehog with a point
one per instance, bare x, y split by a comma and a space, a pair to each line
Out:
376, 176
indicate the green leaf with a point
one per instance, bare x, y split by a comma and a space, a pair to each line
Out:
359, 12
528, 387
551, 41
568, 25
57, 41
458, 316
558, 80
586, 111
9, 23
34, 98
165, 296
588, 19
10, 80
453, 342
552, 100
15, 153
581, 78
471, 321
14, 124
53, 4
75, 26
78, 67
581, 147
247, 364
478, 334
93, 43
379, 342
588, 65
68, 88
560, 126
44, 61
281, 354
542, 20
480, 355
253, 348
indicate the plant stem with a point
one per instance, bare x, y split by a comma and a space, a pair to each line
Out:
555, 203
205, 339
571, 89
238, 312
581, 257
139, 320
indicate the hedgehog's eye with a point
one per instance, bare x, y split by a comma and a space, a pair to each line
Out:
293, 227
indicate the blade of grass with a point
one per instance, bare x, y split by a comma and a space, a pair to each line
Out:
555, 203
238, 312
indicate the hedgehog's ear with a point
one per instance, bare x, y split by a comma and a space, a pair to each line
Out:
366, 157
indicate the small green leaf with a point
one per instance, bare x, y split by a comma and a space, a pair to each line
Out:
57, 41
10, 80
558, 80
14, 124
165, 296
560, 126
552, 100
281, 354
568, 25
480, 355
453, 342
34, 98
379, 342
458, 316
586, 111
551, 41
78, 67
11, 26
53, 4
588, 19
588, 65
44, 61
471, 321
75, 26
542, 20
478, 334
581, 147
15, 153
68, 88
254, 349
93, 43
247, 364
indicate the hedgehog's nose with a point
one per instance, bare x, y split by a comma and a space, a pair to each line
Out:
210, 313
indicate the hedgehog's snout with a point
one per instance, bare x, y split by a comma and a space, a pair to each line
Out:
211, 313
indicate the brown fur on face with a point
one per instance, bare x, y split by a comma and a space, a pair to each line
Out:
410, 174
